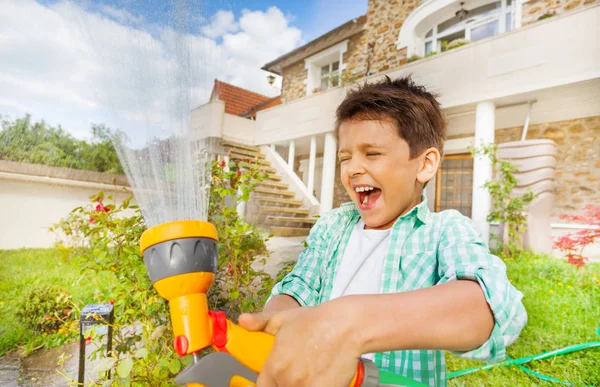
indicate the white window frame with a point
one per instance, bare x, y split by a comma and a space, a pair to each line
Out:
425, 14
314, 63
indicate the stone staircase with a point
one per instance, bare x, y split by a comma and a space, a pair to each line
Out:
271, 204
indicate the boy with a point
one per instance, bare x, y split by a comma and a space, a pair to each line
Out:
382, 277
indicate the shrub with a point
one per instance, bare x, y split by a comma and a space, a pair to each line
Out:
105, 238
413, 57
46, 309
573, 244
446, 46
506, 208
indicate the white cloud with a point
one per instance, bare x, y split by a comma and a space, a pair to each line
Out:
120, 15
221, 23
72, 65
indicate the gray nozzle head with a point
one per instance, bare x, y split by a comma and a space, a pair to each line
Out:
181, 256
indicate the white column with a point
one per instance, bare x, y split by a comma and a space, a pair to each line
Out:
482, 168
518, 7
226, 159
328, 179
502, 21
292, 154
312, 163
241, 206
273, 146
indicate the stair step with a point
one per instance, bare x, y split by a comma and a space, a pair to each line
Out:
269, 199
243, 152
274, 192
268, 169
291, 219
289, 231
274, 177
272, 184
249, 159
231, 144
298, 211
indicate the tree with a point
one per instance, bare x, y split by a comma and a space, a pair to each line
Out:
39, 143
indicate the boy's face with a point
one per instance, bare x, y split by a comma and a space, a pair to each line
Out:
377, 171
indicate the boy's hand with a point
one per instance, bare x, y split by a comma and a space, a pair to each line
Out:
314, 346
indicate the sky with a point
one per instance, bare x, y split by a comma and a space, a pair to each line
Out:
142, 65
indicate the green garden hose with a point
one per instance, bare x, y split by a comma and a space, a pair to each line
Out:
519, 362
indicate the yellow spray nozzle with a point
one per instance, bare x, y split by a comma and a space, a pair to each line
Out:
181, 260
177, 230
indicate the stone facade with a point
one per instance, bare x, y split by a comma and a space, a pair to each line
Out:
374, 50
340, 195
294, 82
578, 164
384, 20
357, 49
534, 9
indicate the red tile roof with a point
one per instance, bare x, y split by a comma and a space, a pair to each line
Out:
237, 100
261, 106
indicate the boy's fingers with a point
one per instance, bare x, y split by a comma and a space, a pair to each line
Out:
253, 321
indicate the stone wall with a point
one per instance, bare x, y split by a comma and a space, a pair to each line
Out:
340, 195
534, 9
384, 20
578, 164
357, 49
294, 82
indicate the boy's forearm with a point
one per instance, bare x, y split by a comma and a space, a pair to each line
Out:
453, 316
280, 303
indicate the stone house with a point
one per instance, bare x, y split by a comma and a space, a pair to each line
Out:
504, 70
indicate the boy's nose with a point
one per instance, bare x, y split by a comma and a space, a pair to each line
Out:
355, 168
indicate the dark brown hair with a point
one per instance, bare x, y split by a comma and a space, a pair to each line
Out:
415, 111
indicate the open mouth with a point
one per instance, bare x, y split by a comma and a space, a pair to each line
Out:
367, 196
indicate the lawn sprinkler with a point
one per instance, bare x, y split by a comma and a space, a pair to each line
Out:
181, 260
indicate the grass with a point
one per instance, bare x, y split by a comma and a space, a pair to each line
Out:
25, 269
563, 306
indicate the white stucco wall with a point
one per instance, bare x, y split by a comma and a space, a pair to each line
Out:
239, 129
29, 205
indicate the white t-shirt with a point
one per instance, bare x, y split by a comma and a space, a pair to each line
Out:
361, 268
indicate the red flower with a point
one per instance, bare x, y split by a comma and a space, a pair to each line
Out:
239, 173
222, 163
101, 208
229, 269
112, 302
92, 219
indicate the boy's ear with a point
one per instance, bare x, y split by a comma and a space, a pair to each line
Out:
430, 161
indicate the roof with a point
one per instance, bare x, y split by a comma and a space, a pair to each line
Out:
346, 30
265, 105
237, 100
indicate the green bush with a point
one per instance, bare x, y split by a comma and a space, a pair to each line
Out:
104, 238
46, 309
413, 58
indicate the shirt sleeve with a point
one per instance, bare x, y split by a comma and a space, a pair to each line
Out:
463, 255
303, 283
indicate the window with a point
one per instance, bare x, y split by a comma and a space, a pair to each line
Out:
325, 68
454, 184
482, 22
330, 75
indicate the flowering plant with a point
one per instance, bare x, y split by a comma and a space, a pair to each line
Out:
573, 244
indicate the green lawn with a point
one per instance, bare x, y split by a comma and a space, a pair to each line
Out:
563, 305
25, 269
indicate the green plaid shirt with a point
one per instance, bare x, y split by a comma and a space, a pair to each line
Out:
425, 249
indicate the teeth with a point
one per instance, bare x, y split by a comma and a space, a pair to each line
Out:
363, 189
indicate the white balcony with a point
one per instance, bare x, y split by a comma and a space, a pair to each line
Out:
555, 62
211, 121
